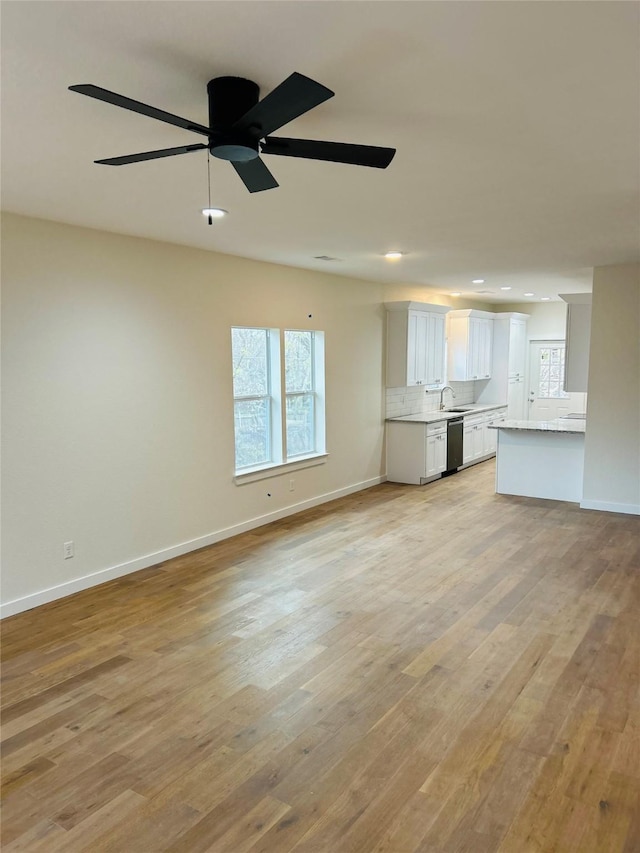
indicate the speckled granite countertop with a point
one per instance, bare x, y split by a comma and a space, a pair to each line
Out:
434, 417
560, 425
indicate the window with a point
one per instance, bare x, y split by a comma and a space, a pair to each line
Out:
278, 414
551, 372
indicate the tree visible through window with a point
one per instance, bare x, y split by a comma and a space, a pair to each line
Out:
251, 396
272, 427
551, 372
300, 396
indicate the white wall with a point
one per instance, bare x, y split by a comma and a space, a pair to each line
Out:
117, 413
612, 440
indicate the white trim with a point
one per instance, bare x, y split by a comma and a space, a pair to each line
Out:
607, 506
280, 468
78, 584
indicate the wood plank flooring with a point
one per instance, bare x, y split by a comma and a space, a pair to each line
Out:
405, 670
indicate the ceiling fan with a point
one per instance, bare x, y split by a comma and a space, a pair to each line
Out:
240, 127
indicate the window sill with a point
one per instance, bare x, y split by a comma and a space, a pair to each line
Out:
262, 473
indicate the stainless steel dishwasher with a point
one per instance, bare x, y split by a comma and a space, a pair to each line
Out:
454, 444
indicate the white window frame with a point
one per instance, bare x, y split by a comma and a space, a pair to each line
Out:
279, 461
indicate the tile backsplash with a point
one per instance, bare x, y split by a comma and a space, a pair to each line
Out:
415, 400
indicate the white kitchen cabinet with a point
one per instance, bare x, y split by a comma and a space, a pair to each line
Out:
436, 449
508, 370
415, 344
467, 444
490, 436
416, 452
469, 339
472, 438
479, 442
578, 338
489, 441
516, 397
517, 345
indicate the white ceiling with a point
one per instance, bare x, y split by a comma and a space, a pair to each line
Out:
517, 129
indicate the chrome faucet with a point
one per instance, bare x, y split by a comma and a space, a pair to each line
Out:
442, 390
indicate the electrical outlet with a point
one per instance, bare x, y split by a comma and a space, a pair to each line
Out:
292, 485
68, 550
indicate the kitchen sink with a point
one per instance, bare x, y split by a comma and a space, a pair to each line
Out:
462, 409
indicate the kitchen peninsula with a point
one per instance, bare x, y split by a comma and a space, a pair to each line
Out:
541, 459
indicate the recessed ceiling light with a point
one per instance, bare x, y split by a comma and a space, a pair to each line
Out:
455, 293
393, 256
477, 281
505, 288
530, 293
545, 298
215, 212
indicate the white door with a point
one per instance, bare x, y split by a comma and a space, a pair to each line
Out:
435, 349
467, 444
473, 353
441, 453
545, 399
485, 349
517, 346
478, 441
416, 348
516, 399
432, 462
490, 437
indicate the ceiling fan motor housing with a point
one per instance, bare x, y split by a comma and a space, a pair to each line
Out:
229, 99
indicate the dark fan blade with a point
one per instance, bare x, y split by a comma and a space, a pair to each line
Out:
255, 175
137, 107
337, 152
149, 155
293, 97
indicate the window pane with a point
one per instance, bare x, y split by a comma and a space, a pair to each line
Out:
551, 373
298, 361
252, 432
250, 362
300, 425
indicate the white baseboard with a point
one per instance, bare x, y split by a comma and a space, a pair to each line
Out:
605, 506
44, 596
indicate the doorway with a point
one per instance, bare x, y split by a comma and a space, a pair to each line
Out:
546, 399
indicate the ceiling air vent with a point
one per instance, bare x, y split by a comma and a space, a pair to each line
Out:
486, 292
325, 258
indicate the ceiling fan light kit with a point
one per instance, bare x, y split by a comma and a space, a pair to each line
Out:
240, 125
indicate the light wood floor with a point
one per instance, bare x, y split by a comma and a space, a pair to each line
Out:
406, 669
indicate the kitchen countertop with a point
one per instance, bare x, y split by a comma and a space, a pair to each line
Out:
558, 425
434, 417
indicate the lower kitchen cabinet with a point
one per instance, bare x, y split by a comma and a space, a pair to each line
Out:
472, 441
416, 452
436, 450
479, 442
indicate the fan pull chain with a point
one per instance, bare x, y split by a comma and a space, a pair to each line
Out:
210, 217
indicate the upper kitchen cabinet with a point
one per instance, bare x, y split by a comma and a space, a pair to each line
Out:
415, 344
517, 326
470, 338
578, 338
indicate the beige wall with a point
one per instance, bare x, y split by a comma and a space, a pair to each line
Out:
117, 423
612, 441
416, 293
117, 416
547, 320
